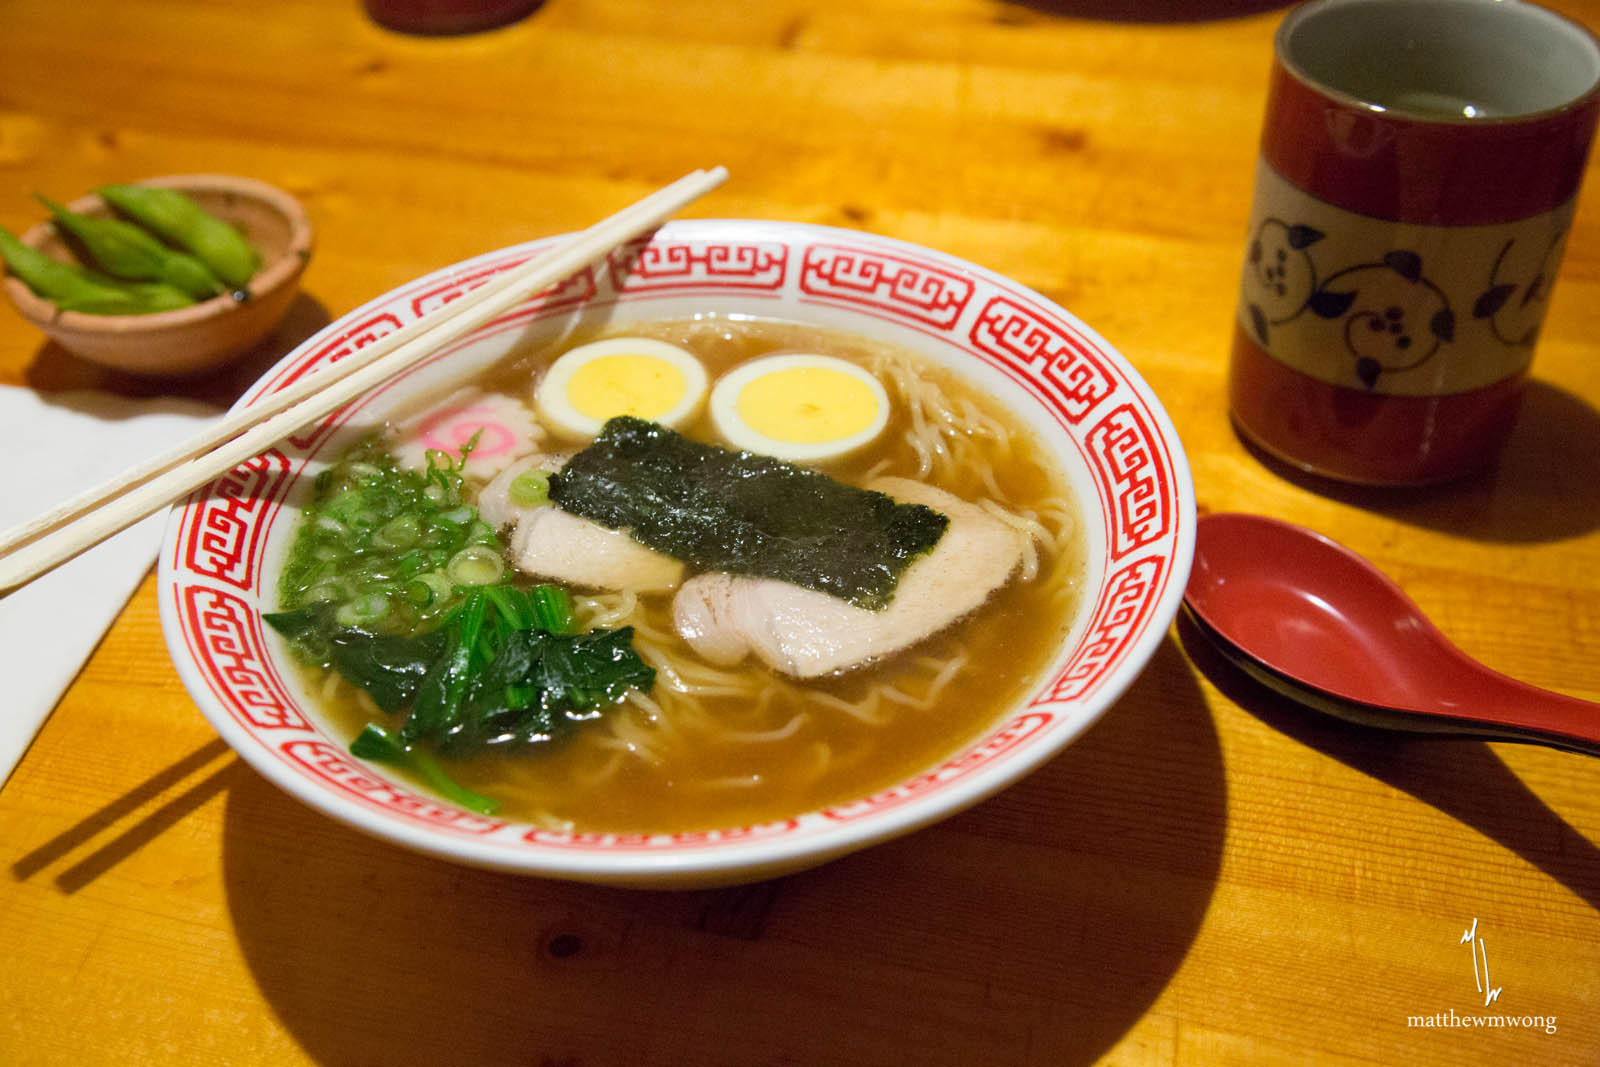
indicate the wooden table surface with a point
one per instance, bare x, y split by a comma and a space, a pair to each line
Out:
1209, 876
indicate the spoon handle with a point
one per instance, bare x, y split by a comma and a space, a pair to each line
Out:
1484, 704
1519, 711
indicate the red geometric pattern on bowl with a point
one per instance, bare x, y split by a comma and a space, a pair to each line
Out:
901, 287
225, 633
607, 842
1145, 507
1130, 596
1017, 335
229, 524
1123, 453
659, 266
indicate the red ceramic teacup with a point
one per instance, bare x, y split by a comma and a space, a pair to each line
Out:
1420, 160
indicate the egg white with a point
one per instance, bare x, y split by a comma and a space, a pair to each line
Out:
739, 433
555, 406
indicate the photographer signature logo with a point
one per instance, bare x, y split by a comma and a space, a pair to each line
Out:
1450, 1019
1480, 956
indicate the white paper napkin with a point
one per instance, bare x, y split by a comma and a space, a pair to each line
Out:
58, 445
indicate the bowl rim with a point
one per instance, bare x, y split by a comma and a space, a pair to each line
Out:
281, 271
729, 855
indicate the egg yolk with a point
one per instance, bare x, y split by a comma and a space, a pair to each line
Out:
643, 386
807, 405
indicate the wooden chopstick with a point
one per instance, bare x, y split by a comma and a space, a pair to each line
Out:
35, 547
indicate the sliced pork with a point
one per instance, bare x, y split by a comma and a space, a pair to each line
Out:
807, 634
556, 545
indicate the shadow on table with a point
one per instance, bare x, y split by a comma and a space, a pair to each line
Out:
1150, 11
1465, 779
104, 841
1040, 925
1540, 488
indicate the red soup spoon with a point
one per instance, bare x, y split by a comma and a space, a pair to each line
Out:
1319, 624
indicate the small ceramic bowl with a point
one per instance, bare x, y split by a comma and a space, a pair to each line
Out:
205, 335
1084, 403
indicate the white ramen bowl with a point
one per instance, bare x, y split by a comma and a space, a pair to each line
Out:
1079, 396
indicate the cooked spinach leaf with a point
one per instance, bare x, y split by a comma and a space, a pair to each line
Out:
380, 745
505, 668
389, 668
718, 509
539, 684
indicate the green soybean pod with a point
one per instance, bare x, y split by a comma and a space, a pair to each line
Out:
133, 298
57, 281
126, 251
177, 218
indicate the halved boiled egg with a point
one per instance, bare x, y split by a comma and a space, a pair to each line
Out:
637, 376
799, 407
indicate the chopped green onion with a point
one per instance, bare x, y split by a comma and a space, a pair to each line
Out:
442, 587
375, 527
332, 589
367, 608
413, 563
476, 565
401, 531
372, 572
530, 489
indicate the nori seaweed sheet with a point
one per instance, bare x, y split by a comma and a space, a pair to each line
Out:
717, 509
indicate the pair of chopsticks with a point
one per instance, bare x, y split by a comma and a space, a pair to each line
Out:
35, 547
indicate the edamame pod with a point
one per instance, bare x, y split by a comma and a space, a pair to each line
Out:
124, 250
135, 298
177, 218
52, 279
72, 288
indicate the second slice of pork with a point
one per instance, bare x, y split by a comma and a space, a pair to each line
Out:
807, 634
